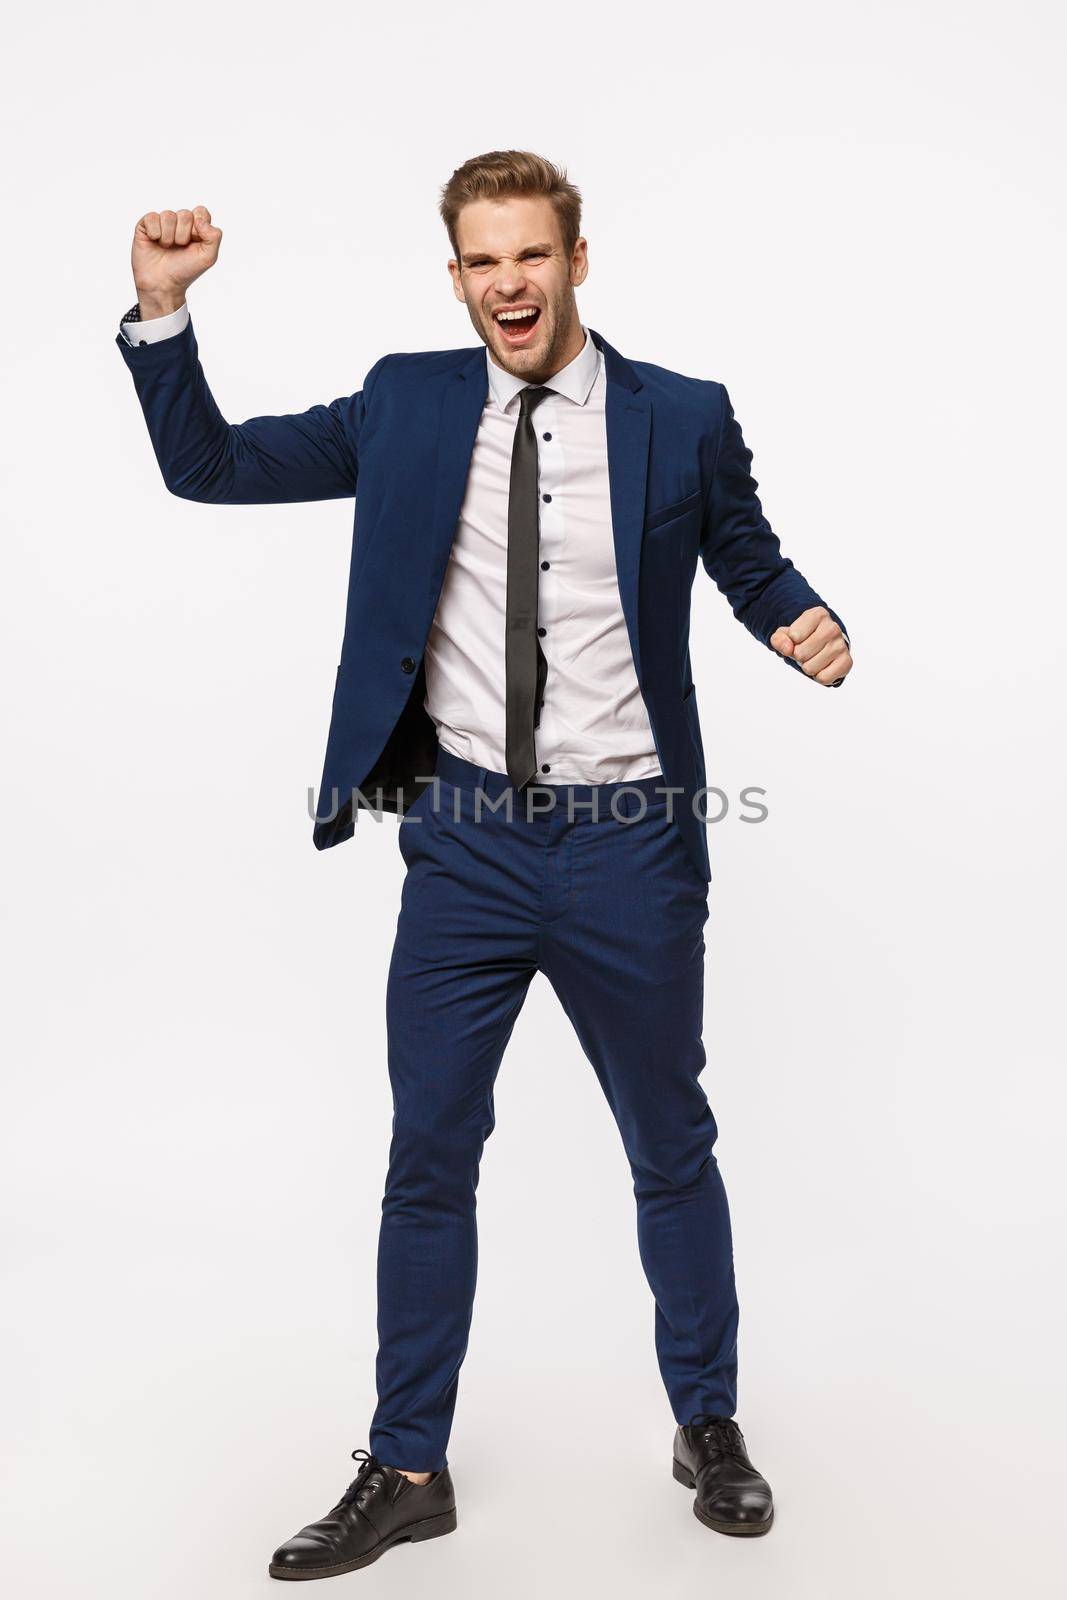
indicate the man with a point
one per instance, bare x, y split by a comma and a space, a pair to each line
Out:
515, 682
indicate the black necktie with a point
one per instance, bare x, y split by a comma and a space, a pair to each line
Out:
525, 668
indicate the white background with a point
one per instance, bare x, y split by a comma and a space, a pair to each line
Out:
852, 216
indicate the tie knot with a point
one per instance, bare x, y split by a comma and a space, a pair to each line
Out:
529, 397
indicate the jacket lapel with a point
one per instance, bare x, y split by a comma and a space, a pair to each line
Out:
462, 403
629, 429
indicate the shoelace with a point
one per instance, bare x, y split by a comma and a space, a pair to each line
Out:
368, 1464
723, 1432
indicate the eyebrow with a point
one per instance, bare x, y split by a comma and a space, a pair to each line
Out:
527, 250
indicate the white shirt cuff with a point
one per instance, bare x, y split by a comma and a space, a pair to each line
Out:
151, 329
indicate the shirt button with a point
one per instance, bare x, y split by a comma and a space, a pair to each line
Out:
545, 565
541, 632
408, 664
546, 497
546, 436
546, 767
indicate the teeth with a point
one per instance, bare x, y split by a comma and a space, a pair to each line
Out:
514, 316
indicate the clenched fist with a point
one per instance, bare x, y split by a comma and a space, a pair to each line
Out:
171, 249
815, 642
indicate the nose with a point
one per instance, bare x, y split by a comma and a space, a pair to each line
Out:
510, 280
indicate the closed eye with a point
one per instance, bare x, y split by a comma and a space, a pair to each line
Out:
479, 263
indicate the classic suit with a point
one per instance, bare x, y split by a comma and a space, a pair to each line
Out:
681, 489
611, 908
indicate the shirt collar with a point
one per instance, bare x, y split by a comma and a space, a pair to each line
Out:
575, 380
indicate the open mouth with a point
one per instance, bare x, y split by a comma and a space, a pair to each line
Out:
517, 327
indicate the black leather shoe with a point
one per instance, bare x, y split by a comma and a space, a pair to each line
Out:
710, 1457
379, 1508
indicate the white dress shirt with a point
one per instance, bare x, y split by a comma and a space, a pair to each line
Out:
594, 727
153, 328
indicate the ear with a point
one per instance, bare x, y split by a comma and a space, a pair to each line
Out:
579, 262
457, 281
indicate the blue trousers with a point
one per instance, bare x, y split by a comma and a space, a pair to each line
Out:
612, 911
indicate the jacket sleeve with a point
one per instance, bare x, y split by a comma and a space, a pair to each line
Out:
740, 550
304, 455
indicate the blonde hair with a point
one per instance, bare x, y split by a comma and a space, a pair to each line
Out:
501, 173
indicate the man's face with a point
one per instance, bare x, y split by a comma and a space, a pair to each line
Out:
512, 259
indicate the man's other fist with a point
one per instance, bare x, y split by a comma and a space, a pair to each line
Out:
171, 249
815, 642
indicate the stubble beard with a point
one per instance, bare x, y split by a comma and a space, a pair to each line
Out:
537, 361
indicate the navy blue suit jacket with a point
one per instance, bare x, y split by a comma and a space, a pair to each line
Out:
681, 492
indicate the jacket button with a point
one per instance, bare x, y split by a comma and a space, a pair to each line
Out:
408, 664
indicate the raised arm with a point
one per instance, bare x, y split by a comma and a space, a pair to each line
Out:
306, 455
744, 557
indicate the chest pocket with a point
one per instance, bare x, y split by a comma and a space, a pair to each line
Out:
677, 508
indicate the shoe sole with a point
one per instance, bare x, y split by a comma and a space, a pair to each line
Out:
429, 1528
741, 1530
